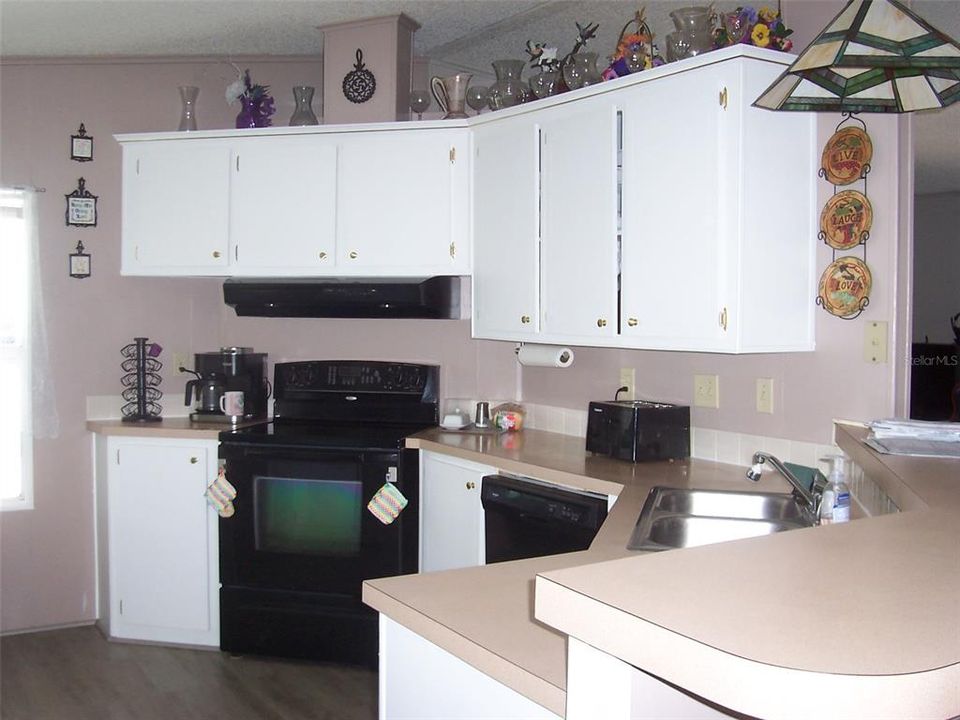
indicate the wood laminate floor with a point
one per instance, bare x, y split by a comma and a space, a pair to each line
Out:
76, 674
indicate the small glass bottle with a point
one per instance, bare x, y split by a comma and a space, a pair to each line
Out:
188, 107
303, 113
835, 505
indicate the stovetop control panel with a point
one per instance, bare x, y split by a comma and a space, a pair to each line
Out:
338, 376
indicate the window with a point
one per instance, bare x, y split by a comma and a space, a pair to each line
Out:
16, 436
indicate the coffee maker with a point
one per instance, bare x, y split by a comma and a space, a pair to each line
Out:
229, 369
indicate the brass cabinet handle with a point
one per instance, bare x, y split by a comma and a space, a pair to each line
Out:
723, 318
323, 256
723, 98
193, 461
632, 322
524, 319
353, 254
601, 323
216, 253
471, 485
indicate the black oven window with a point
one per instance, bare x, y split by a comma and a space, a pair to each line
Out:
308, 517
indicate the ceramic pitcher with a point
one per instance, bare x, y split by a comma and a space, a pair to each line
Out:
450, 93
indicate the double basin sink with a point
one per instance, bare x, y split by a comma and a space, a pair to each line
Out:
679, 518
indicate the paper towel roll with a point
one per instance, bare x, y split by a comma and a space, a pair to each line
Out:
544, 356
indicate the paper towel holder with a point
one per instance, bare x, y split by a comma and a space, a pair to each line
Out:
564, 357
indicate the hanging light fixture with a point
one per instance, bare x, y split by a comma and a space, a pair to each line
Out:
875, 56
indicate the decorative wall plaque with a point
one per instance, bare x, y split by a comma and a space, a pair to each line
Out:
846, 219
846, 157
81, 146
359, 84
81, 206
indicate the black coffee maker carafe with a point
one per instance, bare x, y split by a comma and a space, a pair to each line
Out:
229, 369
207, 388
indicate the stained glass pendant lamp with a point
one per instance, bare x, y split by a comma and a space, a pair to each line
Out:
875, 56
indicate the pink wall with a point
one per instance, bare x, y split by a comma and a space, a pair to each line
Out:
47, 554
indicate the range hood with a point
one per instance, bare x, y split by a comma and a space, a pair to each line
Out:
430, 298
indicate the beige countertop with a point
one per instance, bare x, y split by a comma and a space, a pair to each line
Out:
173, 427
865, 615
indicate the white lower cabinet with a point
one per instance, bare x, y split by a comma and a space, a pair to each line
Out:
421, 681
157, 540
451, 516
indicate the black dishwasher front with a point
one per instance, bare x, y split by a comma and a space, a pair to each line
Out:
525, 518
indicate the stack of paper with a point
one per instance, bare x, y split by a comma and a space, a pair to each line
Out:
921, 438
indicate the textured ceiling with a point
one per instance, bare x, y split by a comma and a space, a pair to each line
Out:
464, 33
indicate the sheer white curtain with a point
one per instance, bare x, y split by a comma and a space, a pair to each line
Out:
46, 421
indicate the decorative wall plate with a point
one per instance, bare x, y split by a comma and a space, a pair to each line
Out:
845, 286
359, 84
846, 219
846, 155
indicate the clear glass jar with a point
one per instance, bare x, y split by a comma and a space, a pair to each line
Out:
303, 113
581, 70
544, 84
508, 90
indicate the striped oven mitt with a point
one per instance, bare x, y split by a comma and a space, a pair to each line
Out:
220, 494
387, 503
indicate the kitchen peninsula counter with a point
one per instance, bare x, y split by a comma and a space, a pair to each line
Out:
863, 617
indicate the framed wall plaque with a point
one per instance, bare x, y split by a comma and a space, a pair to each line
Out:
81, 206
81, 146
80, 262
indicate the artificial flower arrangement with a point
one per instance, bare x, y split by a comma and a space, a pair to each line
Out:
635, 50
763, 28
256, 101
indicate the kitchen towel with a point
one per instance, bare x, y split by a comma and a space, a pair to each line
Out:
387, 503
220, 494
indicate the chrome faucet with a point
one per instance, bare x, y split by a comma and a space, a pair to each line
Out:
810, 499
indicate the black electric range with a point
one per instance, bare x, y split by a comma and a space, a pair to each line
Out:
301, 541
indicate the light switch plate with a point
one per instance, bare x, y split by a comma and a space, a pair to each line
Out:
765, 395
628, 378
875, 342
706, 391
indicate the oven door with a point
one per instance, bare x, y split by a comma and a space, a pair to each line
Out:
301, 522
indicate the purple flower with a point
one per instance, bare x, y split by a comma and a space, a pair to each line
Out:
750, 14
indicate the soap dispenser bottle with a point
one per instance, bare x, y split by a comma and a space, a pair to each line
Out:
835, 505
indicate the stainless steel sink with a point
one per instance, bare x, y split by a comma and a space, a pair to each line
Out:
679, 518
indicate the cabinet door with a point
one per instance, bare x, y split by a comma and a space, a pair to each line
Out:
176, 207
506, 243
283, 205
676, 246
402, 203
163, 542
578, 236
451, 516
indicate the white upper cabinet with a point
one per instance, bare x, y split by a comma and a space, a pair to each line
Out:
359, 201
719, 204
176, 208
672, 214
578, 223
506, 234
283, 205
402, 202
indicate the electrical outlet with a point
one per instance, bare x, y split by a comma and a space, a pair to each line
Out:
875, 342
706, 391
765, 395
628, 379
180, 360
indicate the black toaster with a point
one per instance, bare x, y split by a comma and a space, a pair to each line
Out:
639, 430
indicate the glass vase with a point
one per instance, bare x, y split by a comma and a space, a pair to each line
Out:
188, 107
303, 112
508, 90
581, 70
545, 83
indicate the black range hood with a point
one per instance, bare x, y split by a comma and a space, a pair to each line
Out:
431, 298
